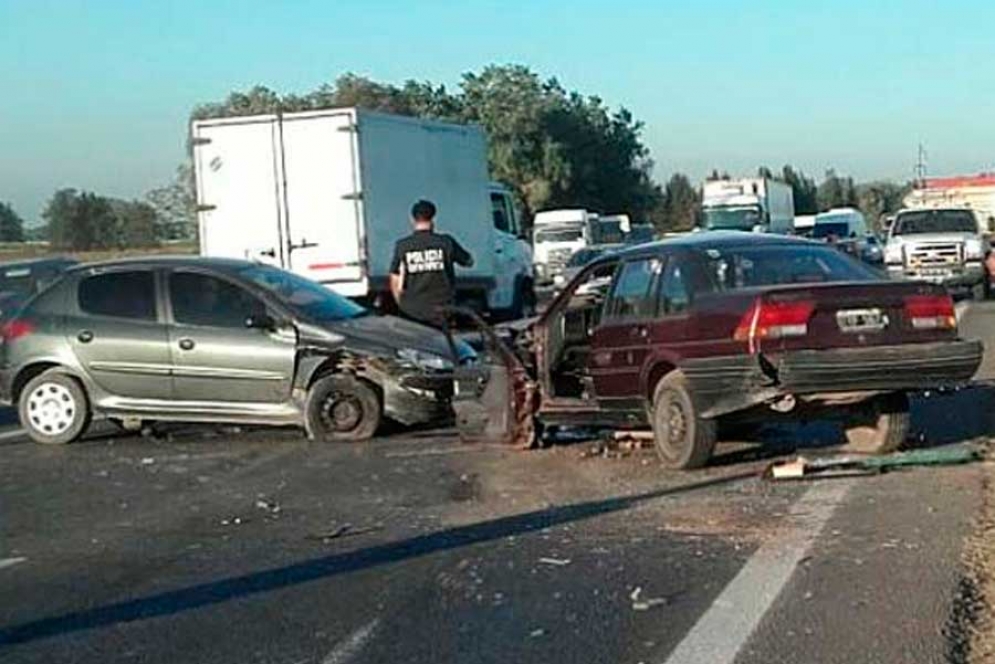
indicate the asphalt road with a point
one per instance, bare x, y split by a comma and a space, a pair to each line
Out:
209, 545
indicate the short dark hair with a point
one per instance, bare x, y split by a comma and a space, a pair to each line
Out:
423, 211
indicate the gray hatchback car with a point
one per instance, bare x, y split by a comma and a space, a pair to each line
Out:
210, 340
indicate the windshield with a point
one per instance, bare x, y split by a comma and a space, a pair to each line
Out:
750, 267
608, 232
830, 229
732, 218
306, 297
935, 221
559, 235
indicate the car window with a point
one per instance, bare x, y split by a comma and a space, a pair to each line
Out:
675, 293
119, 295
201, 299
500, 211
733, 268
632, 295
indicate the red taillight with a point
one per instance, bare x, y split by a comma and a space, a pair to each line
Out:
774, 320
931, 312
15, 329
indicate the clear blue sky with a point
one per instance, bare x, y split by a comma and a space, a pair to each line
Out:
96, 94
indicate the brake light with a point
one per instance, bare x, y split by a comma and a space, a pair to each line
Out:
15, 329
774, 320
931, 312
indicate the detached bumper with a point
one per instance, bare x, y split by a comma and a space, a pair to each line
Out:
729, 384
418, 399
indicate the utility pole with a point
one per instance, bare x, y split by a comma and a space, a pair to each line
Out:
920, 169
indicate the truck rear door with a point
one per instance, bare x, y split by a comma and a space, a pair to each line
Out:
238, 171
324, 236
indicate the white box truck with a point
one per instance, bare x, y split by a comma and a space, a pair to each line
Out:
750, 204
326, 194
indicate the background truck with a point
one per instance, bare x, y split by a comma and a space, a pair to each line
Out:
326, 194
749, 204
556, 235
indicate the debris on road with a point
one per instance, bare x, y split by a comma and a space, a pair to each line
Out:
639, 604
556, 562
233, 521
536, 633
268, 506
619, 444
344, 530
853, 464
10, 562
147, 461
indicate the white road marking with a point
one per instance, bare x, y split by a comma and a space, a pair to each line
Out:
10, 435
723, 629
352, 645
10, 562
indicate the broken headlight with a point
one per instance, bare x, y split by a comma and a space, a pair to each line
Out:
422, 360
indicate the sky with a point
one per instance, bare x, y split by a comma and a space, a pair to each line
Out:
96, 95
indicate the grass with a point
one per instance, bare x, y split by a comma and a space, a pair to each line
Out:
10, 252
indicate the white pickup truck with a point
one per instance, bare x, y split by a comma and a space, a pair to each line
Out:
326, 194
941, 245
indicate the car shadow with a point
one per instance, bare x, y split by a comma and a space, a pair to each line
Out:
223, 590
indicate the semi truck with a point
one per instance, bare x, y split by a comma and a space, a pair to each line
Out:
326, 194
749, 204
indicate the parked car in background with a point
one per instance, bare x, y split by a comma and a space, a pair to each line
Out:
581, 258
22, 280
709, 326
942, 245
216, 340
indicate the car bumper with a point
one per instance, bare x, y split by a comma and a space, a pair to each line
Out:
418, 399
967, 276
726, 385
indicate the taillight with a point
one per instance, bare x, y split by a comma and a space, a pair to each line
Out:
774, 320
15, 329
931, 312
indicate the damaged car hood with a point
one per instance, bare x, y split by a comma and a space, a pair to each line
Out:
387, 332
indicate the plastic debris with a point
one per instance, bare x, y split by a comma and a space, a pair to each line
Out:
804, 467
557, 562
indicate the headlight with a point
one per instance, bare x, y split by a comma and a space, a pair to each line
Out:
973, 249
423, 360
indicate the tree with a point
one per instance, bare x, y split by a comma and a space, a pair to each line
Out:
175, 207
680, 206
836, 191
551, 146
11, 224
764, 172
81, 221
876, 199
804, 190
136, 224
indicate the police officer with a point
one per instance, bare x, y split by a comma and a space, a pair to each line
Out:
422, 277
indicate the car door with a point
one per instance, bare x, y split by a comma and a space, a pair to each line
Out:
620, 343
669, 331
216, 357
115, 328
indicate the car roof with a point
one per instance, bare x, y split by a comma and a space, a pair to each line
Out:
221, 264
716, 240
40, 261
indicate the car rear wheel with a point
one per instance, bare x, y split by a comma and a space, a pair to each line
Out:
879, 425
342, 409
683, 439
53, 408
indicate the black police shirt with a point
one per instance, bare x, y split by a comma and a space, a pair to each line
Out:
427, 258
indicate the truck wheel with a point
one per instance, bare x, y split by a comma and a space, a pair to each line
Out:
879, 425
683, 439
53, 408
342, 408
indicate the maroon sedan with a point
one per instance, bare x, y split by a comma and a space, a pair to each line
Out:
687, 333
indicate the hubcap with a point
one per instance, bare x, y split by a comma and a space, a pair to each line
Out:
51, 409
676, 424
342, 412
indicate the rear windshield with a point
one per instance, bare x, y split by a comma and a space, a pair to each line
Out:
734, 268
833, 228
935, 221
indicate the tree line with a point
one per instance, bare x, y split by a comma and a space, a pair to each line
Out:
553, 147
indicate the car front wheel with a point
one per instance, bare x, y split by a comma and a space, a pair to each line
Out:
879, 425
683, 439
342, 409
53, 408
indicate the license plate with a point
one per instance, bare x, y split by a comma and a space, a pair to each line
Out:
861, 320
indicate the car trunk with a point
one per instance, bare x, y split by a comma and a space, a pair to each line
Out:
847, 315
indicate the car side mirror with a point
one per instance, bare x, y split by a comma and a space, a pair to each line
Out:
261, 322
